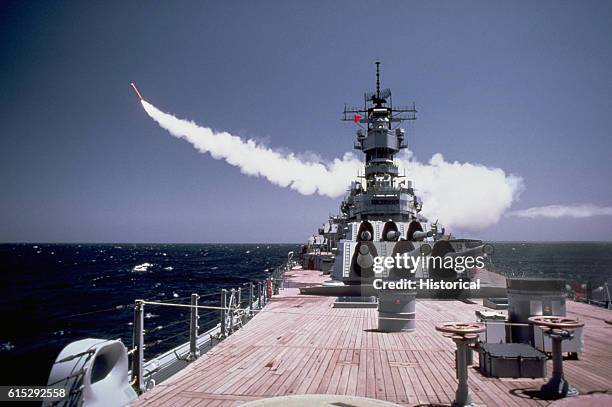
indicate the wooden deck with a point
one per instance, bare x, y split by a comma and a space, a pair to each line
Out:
301, 345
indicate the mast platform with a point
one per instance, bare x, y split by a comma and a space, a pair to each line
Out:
299, 344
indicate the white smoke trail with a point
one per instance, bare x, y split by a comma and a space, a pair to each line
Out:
464, 195
285, 170
579, 211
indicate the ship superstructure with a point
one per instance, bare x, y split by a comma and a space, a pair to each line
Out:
381, 213
382, 195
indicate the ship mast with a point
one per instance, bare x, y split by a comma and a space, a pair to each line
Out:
380, 141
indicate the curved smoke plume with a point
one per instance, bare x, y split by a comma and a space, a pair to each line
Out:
285, 170
464, 195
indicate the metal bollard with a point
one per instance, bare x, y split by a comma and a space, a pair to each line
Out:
194, 352
138, 345
259, 295
223, 311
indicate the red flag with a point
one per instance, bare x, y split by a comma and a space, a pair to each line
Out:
357, 118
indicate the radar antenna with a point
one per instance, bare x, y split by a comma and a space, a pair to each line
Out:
379, 99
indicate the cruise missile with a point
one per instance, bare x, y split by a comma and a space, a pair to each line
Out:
136, 90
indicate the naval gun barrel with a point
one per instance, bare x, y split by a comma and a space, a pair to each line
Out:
366, 235
483, 249
365, 259
392, 235
421, 235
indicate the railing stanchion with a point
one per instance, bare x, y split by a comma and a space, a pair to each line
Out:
239, 306
270, 286
194, 352
275, 284
251, 298
138, 346
232, 310
223, 311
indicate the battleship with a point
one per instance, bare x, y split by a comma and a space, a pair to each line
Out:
337, 325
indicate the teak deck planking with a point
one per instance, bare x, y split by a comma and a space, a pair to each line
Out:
301, 345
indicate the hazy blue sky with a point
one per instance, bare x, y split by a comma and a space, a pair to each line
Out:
524, 86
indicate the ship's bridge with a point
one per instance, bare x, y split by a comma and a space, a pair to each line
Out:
384, 204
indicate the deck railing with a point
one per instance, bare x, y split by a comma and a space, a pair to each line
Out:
236, 307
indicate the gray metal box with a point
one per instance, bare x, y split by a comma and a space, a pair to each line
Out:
511, 360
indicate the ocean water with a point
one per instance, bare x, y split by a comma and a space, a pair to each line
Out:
52, 294
573, 261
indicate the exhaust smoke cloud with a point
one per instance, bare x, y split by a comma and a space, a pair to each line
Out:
463, 195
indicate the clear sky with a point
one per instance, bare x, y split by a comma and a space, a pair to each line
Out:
524, 86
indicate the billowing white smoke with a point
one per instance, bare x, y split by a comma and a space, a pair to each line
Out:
563, 211
285, 170
463, 195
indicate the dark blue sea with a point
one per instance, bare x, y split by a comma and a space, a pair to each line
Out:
52, 294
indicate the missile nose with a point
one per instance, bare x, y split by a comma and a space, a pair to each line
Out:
136, 91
